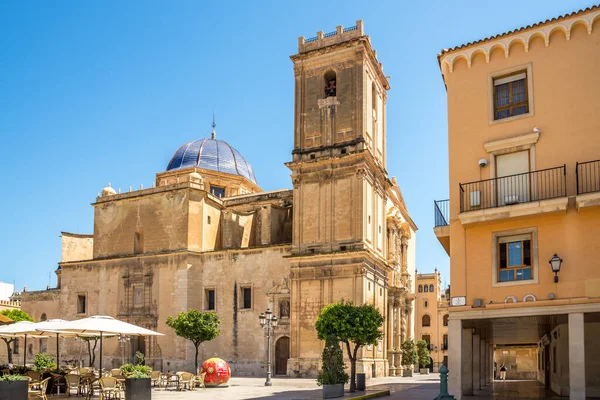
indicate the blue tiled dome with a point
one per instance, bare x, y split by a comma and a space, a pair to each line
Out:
212, 154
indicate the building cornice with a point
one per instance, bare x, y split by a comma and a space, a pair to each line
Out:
448, 57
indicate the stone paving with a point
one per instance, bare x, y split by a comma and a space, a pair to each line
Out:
419, 387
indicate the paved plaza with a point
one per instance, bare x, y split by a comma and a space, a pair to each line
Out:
419, 387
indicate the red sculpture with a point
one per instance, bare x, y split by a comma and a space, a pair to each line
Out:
217, 372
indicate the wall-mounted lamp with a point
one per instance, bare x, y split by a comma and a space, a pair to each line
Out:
555, 263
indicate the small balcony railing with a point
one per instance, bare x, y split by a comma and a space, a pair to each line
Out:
531, 186
588, 177
441, 212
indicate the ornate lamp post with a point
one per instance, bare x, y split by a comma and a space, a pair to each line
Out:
268, 321
122, 341
555, 263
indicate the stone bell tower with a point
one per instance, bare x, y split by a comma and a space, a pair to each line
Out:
339, 245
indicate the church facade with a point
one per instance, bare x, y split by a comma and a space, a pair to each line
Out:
206, 236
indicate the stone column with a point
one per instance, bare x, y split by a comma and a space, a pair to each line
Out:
491, 363
397, 336
455, 350
390, 338
482, 363
476, 362
576, 357
467, 361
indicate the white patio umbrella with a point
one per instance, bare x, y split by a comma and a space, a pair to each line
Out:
100, 325
20, 329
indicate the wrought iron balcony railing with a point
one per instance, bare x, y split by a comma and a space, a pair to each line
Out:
531, 186
441, 212
588, 177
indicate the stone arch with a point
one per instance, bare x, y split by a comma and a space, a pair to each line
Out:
456, 61
558, 28
511, 299
420, 288
581, 21
517, 40
529, 297
595, 23
445, 319
498, 48
475, 56
426, 320
580, 25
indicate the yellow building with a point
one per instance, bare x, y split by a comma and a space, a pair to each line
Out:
205, 236
431, 317
523, 148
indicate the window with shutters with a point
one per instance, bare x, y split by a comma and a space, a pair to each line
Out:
511, 94
515, 259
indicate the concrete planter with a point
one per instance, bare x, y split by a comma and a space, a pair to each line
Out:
424, 371
408, 372
13, 390
333, 391
138, 389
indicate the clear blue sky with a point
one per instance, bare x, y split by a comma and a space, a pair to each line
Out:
92, 92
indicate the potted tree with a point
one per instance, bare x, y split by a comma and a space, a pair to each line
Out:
423, 355
409, 357
13, 387
137, 383
332, 377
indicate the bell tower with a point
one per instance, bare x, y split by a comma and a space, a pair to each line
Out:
339, 157
339, 244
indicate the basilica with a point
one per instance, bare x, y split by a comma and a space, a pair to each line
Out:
205, 236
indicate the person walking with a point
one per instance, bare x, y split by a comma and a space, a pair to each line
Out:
503, 372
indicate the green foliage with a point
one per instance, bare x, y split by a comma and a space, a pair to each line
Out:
333, 364
423, 353
138, 375
129, 369
16, 315
12, 378
139, 358
43, 362
409, 353
350, 324
196, 326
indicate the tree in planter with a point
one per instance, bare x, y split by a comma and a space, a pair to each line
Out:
333, 364
349, 323
16, 315
196, 326
91, 349
409, 353
423, 353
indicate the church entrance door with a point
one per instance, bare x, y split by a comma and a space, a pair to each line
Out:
282, 354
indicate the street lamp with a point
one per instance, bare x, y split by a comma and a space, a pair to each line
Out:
555, 263
122, 341
268, 320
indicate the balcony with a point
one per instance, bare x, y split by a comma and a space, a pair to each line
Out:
516, 195
441, 216
588, 184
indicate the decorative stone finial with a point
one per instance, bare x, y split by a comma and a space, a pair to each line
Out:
108, 191
213, 135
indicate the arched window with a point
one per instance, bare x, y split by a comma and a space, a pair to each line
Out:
426, 303
426, 320
431, 288
43, 317
426, 288
330, 84
420, 288
446, 320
